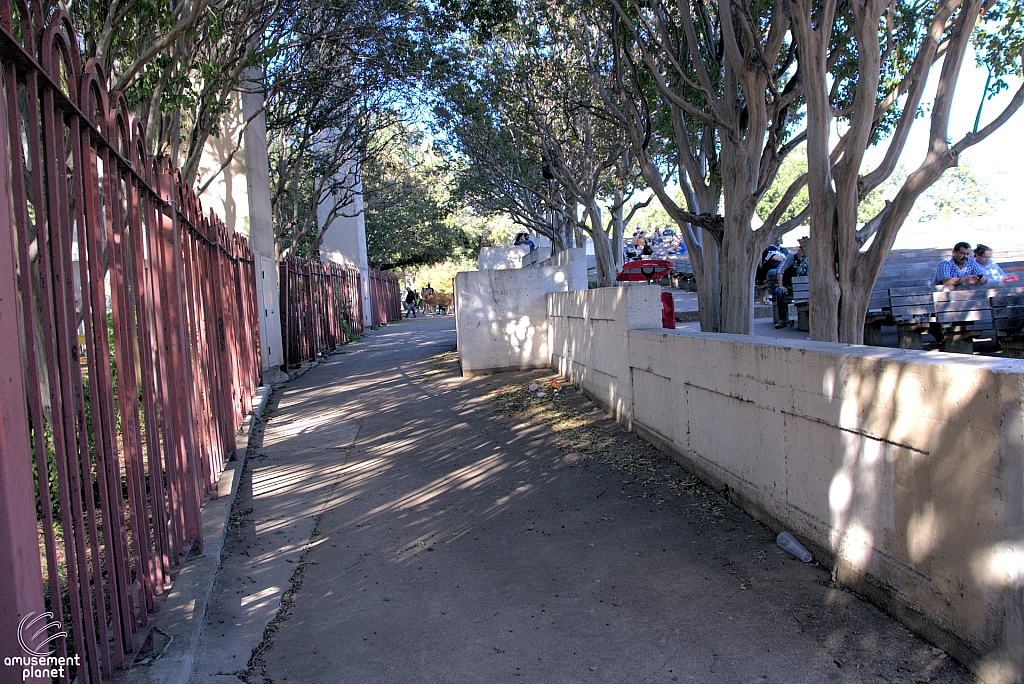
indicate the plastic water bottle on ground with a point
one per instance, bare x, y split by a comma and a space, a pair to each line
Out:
786, 541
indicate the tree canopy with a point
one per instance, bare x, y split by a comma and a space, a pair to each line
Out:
555, 113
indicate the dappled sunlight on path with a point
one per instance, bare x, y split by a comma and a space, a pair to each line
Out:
449, 544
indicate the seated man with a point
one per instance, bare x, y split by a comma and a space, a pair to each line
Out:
795, 264
959, 269
771, 257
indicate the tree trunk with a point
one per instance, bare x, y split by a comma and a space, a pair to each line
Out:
736, 265
618, 230
709, 297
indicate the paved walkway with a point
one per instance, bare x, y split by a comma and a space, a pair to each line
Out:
413, 535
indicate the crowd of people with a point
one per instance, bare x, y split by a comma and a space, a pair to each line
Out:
661, 244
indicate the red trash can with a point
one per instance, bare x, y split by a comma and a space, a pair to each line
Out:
668, 311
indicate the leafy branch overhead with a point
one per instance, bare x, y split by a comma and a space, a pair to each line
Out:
409, 218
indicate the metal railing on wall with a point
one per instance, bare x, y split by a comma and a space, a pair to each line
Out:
130, 357
385, 298
321, 304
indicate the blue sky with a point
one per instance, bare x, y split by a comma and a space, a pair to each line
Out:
997, 160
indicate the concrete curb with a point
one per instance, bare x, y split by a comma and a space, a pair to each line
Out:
179, 623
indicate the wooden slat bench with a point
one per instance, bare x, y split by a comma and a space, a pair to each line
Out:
682, 274
904, 297
802, 302
912, 311
1008, 319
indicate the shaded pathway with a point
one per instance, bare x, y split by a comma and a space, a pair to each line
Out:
452, 545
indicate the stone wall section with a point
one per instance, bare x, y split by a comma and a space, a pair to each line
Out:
903, 470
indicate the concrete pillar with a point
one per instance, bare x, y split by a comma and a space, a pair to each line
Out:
344, 241
240, 195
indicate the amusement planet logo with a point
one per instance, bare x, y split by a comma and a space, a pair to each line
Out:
39, 663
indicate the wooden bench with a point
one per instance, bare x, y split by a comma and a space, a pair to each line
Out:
1008, 320
682, 274
802, 302
904, 297
909, 272
968, 312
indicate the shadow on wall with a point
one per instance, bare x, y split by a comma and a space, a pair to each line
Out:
904, 468
927, 487
501, 318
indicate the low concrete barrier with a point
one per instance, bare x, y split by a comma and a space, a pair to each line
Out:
902, 470
516, 256
575, 261
502, 257
589, 344
501, 318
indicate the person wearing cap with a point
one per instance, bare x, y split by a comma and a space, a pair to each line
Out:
524, 239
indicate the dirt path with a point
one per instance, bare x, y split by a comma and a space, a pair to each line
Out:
436, 529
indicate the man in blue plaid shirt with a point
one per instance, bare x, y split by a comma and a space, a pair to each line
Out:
959, 269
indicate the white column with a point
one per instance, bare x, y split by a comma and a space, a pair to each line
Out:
344, 242
240, 195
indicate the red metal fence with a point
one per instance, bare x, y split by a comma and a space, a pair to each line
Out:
130, 354
385, 298
320, 304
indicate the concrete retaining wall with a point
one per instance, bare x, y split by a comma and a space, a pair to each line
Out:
501, 257
903, 470
501, 318
516, 256
575, 263
589, 343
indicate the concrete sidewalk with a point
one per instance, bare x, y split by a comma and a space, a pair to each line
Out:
394, 528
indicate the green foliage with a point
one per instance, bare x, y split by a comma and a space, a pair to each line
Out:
350, 334
440, 276
792, 167
999, 43
408, 208
958, 194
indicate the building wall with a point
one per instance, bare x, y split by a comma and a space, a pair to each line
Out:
903, 470
344, 243
240, 195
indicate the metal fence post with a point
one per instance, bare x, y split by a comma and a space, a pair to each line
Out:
19, 546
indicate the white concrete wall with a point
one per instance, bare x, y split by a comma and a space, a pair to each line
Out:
537, 256
502, 257
516, 256
575, 261
904, 469
501, 318
589, 344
